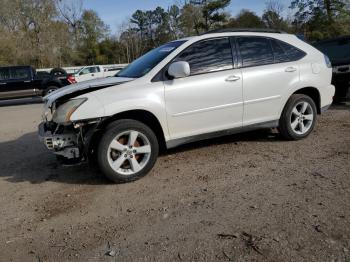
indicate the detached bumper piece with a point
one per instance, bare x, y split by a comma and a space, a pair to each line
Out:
60, 140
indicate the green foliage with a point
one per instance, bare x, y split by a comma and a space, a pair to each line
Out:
212, 13
320, 19
248, 19
92, 31
50, 33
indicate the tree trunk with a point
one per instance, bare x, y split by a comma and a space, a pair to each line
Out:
328, 6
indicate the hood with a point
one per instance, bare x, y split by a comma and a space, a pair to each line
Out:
84, 87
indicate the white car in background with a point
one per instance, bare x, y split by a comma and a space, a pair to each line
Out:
94, 72
216, 84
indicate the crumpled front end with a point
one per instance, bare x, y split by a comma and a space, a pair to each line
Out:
67, 139
72, 115
62, 140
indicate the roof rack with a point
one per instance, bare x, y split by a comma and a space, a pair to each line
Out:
256, 30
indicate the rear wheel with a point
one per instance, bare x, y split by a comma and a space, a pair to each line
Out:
50, 89
128, 151
298, 118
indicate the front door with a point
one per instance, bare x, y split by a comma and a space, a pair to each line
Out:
210, 99
89, 73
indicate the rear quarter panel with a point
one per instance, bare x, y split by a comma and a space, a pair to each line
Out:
313, 72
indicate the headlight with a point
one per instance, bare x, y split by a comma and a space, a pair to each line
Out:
63, 112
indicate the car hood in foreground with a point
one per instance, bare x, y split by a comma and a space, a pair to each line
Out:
84, 87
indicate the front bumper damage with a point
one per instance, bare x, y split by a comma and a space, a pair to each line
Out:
70, 142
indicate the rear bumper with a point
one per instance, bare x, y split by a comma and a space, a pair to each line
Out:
327, 94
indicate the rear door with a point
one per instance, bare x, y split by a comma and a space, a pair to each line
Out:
268, 72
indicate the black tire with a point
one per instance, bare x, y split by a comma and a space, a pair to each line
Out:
58, 72
112, 131
285, 127
50, 89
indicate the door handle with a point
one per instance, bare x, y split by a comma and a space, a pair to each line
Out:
1, 84
26, 81
232, 78
290, 69
92, 74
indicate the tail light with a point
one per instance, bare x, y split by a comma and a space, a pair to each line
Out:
71, 79
328, 61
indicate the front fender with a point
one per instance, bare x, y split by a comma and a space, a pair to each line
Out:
91, 109
128, 97
151, 103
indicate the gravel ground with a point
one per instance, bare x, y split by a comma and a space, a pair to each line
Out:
249, 197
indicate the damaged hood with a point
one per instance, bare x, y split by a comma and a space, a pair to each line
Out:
84, 87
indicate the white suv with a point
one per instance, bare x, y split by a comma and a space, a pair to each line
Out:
196, 88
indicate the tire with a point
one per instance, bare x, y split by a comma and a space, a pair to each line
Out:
295, 124
58, 72
122, 156
50, 89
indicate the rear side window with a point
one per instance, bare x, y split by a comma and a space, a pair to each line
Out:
279, 54
255, 51
292, 53
208, 56
4, 74
19, 73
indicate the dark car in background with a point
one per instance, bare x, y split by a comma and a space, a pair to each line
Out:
24, 81
338, 51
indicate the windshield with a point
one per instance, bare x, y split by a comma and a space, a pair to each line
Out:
337, 51
147, 62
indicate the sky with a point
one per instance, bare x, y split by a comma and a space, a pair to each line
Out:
115, 12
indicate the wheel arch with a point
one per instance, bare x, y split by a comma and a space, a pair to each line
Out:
313, 93
145, 117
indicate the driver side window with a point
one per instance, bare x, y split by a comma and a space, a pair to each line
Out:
89, 70
208, 56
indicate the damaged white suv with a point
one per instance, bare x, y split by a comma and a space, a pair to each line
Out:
219, 83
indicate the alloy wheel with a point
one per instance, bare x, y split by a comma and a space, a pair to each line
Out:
129, 152
302, 118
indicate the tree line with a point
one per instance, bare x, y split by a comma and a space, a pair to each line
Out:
50, 33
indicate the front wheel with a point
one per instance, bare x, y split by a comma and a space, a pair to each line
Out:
298, 117
127, 151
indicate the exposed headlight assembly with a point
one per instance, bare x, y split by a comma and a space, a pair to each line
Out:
64, 112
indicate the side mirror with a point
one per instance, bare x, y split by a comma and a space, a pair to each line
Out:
179, 69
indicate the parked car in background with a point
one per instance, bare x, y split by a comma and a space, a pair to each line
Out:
94, 72
338, 51
219, 83
24, 81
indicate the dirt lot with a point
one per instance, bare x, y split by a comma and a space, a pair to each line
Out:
248, 197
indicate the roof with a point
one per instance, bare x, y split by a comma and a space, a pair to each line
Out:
248, 30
